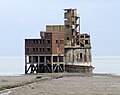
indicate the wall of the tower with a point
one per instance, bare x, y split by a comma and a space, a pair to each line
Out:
78, 56
55, 28
72, 26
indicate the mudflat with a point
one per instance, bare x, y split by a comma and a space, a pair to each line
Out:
60, 84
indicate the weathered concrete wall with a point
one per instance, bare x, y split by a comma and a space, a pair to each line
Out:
55, 28
78, 56
78, 69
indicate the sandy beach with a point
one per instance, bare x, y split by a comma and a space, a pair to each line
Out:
60, 84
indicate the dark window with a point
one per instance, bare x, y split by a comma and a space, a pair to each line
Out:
35, 59
81, 36
36, 49
35, 41
47, 34
72, 31
40, 49
48, 59
78, 43
27, 49
48, 41
73, 22
41, 58
43, 41
33, 49
67, 26
87, 36
68, 38
30, 59
82, 45
80, 55
48, 49
54, 58
86, 41
40, 41
60, 58
56, 41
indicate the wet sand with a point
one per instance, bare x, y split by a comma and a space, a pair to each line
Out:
61, 84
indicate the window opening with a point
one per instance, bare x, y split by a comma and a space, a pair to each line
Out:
68, 38
54, 58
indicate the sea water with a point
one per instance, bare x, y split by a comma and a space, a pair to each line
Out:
15, 65
107, 64
11, 65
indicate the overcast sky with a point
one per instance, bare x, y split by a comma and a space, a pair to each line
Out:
20, 19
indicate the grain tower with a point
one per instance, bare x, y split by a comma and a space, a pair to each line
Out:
60, 48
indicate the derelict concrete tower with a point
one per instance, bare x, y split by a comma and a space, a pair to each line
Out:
77, 45
72, 26
60, 48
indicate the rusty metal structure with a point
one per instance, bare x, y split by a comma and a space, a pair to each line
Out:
60, 48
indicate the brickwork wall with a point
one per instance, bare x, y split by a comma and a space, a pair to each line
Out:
58, 43
51, 43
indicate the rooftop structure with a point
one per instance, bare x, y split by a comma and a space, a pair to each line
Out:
60, 48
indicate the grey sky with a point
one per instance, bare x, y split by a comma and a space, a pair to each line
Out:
20, 19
